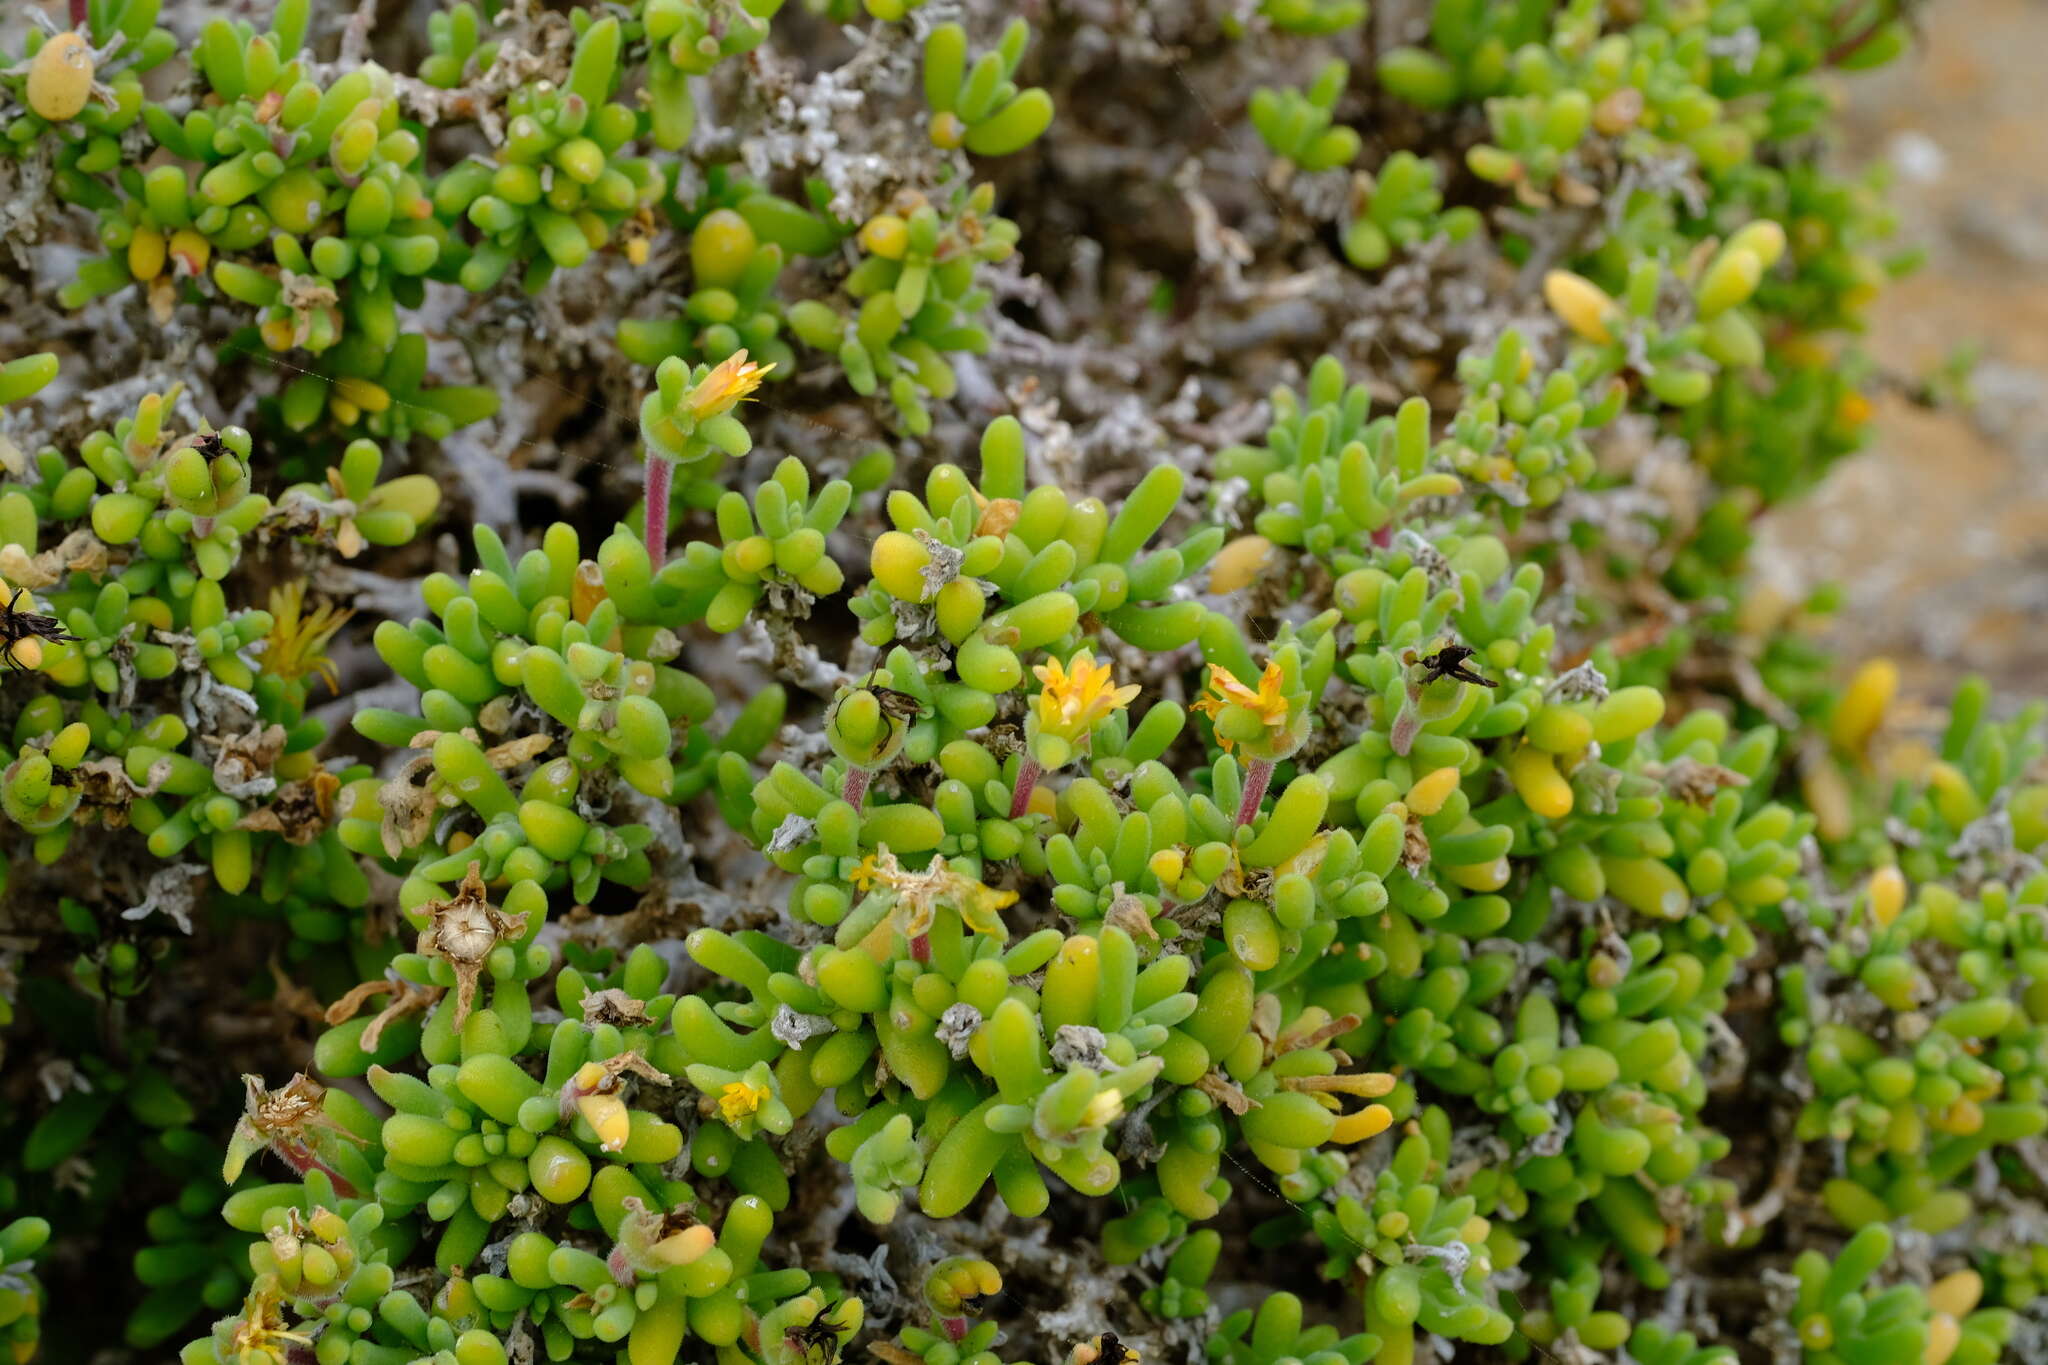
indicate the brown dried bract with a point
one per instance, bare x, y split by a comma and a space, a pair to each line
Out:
1415, 849
1266, 1021
1225, 1092
515, 752
242, 768
1694, 782
408, 806
462, 930
614, 1007
105, 789
406, 998
1316, 1035
79, 552
301, 812
1127, 912
998, 516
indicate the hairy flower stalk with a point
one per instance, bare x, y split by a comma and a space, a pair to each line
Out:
1029, 771
682, 430
660, 473
1258, 774
1267, 722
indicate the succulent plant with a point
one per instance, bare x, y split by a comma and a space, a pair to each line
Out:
739, 859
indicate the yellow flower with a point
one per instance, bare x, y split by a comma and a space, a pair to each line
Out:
298, 638
1072, 703
740, 1100
1266, 703
731, 380
864, 875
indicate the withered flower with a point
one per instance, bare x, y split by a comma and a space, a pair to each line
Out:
300, 813
614, 1007
406, 998
651, 1242
594, 1091
291, 1121
462, 930
258, 1331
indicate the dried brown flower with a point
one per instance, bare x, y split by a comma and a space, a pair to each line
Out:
462, 930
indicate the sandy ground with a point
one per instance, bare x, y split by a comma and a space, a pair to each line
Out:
1939, 532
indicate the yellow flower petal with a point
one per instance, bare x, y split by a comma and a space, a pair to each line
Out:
740, 1100
1078, 696
730, 381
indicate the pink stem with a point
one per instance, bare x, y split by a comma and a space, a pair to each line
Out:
855, 789
1257, 773
921, 948
78, 15
659, 473
304, 1160
955, 1329
1028, 773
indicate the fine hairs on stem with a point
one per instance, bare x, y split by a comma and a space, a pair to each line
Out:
660, 474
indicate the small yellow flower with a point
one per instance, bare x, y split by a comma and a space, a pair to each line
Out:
298, 638
740, 1100
1266, 703
1079, 696
730, 381
865, 874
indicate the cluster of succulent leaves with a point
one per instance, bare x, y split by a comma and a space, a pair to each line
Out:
1408, 931
311, 203
1685, 126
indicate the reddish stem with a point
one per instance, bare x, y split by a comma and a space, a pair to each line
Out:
78, 15
921, 948
855, 789
659, 475
1028, 773
304, 1160
1257, 773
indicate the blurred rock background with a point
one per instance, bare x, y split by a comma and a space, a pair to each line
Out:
1938, 533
